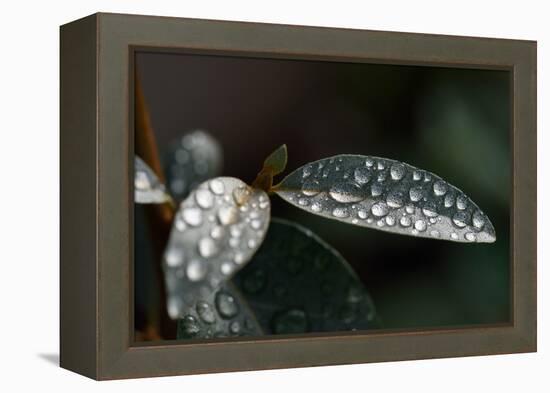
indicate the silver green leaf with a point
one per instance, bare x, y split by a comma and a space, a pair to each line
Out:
147, 186
216, 231
191, 160
387, 195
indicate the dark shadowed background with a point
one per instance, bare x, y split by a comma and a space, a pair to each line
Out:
453, 122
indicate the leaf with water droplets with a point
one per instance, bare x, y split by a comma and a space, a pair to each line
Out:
147, 187
387, 195
191, 160
297, 283
219, 313
217, 229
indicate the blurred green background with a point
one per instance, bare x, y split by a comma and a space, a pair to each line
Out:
453, 122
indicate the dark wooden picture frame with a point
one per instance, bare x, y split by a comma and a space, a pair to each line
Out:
97, 152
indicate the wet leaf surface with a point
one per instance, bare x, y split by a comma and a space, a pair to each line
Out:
297, 283
216, 230
147, 187
387, 195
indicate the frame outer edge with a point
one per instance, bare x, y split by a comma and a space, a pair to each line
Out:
78, 197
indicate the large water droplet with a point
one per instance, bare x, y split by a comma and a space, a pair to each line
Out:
376, 190
347, 193
204, 198
216, 186
478, 220
192, 216
397, 171
420, 225
461, 202
390, 220
449, 200
362, 214
405, 222
228, 215
440, 188
379, 209
290, 322
196, 270
460, 219
189, 326
340, 212
226, 305
430, 210
311, 188
205, 312
207, 247
362, 175
416, 194
395, 199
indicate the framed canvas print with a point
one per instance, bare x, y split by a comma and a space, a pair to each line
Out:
241, 196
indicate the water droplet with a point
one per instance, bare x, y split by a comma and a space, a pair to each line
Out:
380, 223
362, 213
369, 162
256, 224
347, 193
380, 166
311, 188
435, 233
235, 327
340, 212
440, 188
216, 186
416, 194
427, 177
226, 268
207, 247
192, 216
226, 305
303, 201
430, 210
420, 225
417, 175
141, 180
241, 195
478, 220
362, 175
354, 221
405, 222
174, 257
470, 236
205, 312
189, 326
376, 190
180, 224
251, 243
196, 270
449, 200
228, 215
409, 209
381, 177
217, 232
308, 169
204, 198
264, 204
395, 199
454, 236
461, 202
397, 171
379, 209
460, 219
290, 322
390, 220
235, 231
316, 206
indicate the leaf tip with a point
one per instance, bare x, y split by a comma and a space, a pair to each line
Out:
277, 160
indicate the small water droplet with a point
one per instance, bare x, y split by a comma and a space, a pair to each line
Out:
390, 220
461, 202
362, 213
380, 223
207, 247
228, 215
263, 205
354, 221
226, 305
316, 206
239, 258
340, 212
308, 169
435, 233
460, 219
420, 225
380, 166
478, 220
379, 209
369, 162
409, 209
376, 190
381, 177
311, 188
362, 175
397, 171
430, 210
303, 201
427, 177
226, 268
189, 326
217, 232
216, 186
196, 270
256, 224
417, 175
395, 199
204, 198
174, 257
440, 188
251, 243
470, 236
416, 194
454, 236
192, 216
205, 312
235, 327
180, 224
449, 200
348, 192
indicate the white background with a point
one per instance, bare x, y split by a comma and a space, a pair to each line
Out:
29, 196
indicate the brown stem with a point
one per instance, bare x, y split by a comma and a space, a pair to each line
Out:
160, 216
